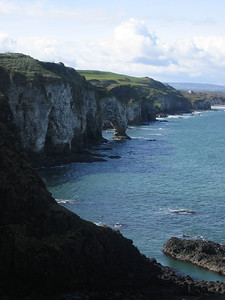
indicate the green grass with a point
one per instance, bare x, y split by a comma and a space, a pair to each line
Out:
111, 79
139, 87
23, 65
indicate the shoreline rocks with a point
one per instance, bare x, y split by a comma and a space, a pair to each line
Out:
205, 254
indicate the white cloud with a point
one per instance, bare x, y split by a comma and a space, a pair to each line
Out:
132, 49
6, 43
133, 42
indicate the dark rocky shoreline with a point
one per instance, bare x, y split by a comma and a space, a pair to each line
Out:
205, 254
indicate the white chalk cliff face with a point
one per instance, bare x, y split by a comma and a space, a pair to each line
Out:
51, 119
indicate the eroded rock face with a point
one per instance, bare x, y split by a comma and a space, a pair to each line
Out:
55, 110
205, 254
50, 119
139, 112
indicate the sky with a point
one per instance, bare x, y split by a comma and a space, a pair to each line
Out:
169, 41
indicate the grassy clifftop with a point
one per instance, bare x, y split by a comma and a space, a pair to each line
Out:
129, 88
111, 80
23, 69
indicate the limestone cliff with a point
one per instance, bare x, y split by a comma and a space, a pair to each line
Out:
138, 106
49, 118
55, 109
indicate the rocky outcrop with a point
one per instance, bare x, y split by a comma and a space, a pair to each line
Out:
205, 254
48, 252
114, 113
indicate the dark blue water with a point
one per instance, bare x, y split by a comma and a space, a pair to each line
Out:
169, 181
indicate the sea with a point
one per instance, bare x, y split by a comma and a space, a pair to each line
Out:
167, 180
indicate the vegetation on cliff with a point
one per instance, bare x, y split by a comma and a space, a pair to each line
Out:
23, 69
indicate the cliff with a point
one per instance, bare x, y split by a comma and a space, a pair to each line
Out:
55, 109
143, 98
48, 252
202, 100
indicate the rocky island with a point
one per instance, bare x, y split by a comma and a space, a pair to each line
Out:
205, 254
46, 251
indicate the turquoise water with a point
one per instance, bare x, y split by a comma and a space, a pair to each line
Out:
167, 171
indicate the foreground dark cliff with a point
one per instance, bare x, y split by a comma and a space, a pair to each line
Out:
48, 252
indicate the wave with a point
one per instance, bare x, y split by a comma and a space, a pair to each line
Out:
64, 201
117, 225
98, 223
191, 236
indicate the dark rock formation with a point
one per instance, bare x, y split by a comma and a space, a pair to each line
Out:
48, 252
205, 254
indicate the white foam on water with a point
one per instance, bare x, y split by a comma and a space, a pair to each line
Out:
218, 107
117, 225
63, 201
